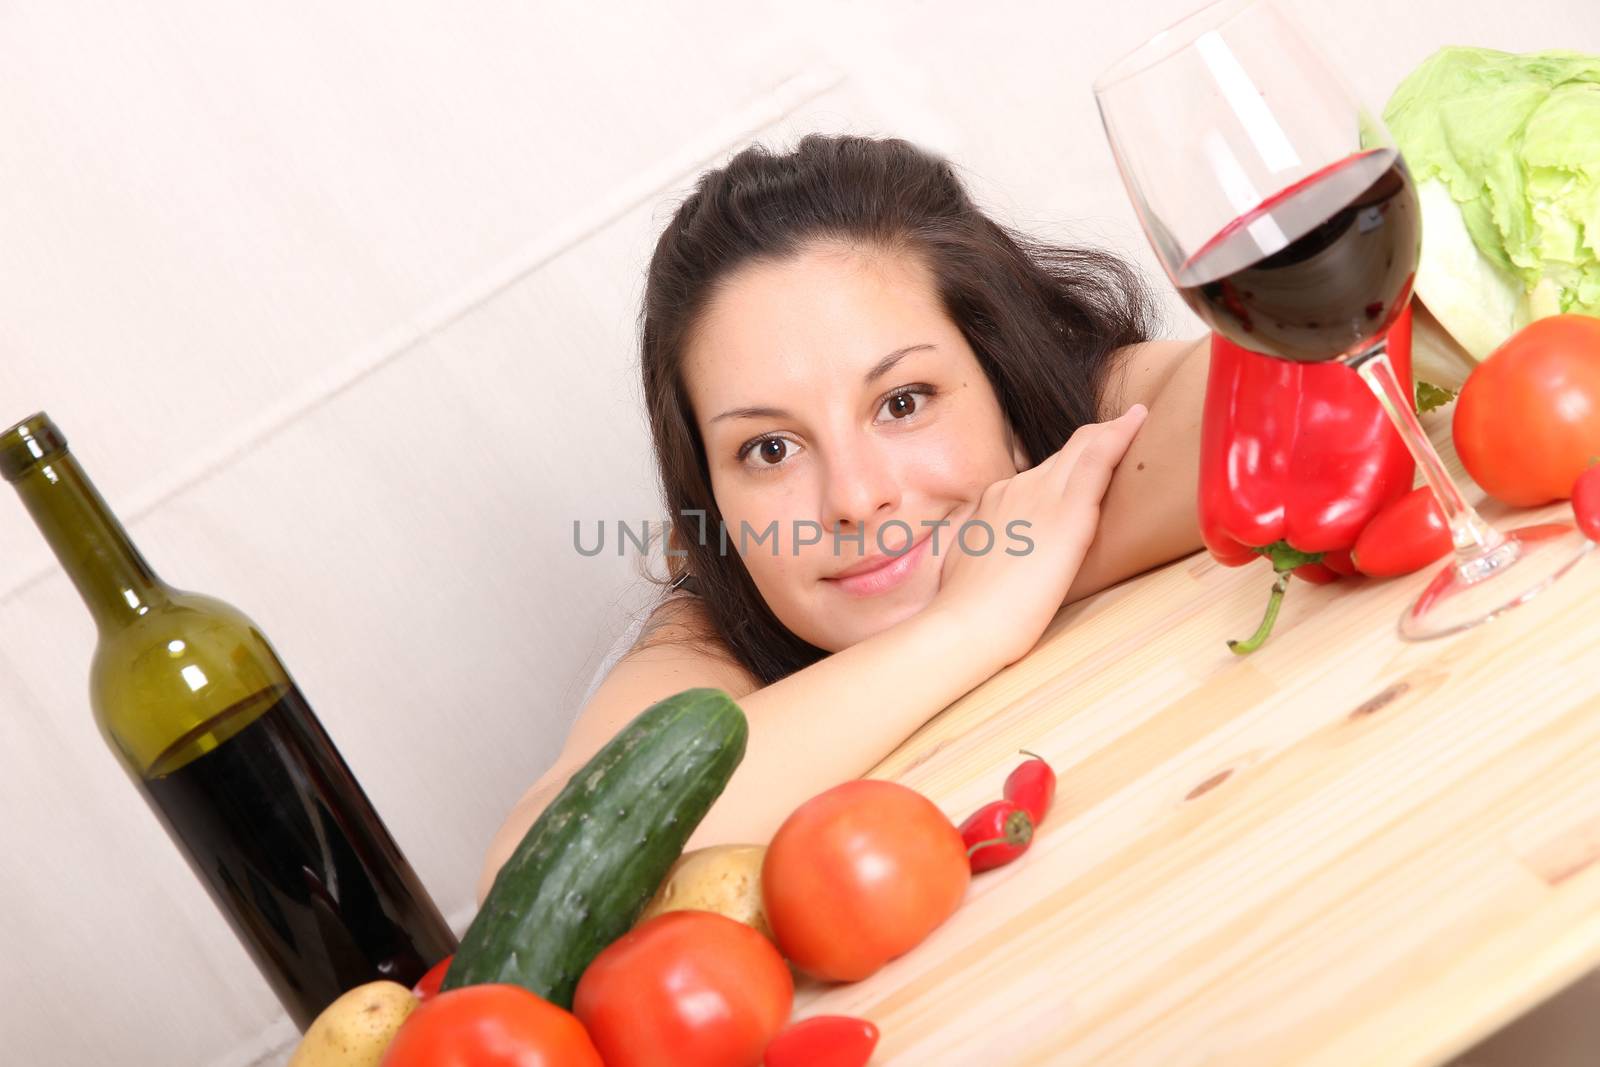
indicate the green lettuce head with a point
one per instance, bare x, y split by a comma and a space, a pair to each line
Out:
1505, 150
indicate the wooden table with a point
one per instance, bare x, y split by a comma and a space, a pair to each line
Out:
1344, 849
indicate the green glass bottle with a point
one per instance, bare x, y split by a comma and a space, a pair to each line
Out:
217, 738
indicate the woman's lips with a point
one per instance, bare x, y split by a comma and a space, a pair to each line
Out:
886, 577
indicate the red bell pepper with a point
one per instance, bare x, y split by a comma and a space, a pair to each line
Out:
1295, 458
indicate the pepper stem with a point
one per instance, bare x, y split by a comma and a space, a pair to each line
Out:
1284, 558
1018, 832
1274, 602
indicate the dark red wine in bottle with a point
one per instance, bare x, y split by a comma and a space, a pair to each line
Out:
231, 759
1317, 272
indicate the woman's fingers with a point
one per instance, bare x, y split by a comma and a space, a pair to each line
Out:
1011, 597
1098, 444
1072, 479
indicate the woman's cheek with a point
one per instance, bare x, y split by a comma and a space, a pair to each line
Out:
958, 457
787, 584
763, 539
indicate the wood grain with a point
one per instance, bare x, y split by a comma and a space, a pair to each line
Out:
1344, 849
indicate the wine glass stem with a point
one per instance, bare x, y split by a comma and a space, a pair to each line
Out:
1472, 536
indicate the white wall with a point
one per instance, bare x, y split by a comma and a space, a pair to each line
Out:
336, 302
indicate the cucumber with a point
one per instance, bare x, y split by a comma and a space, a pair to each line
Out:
587, 867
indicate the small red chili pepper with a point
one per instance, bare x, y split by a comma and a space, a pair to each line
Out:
428, 985
1586, 501
1316, 573
823, 1041
1031, 787
1405, 536
1340, 563
996, 834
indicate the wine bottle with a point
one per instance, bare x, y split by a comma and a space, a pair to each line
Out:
216, 736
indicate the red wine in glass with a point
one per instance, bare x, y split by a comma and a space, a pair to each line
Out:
1318, 270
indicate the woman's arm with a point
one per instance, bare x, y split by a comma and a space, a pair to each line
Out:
838, 718
824, 724
1149, 514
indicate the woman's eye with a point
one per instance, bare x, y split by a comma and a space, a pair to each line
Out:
901, 404
905, 402
768, 451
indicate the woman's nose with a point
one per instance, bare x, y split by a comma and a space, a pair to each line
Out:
861, 482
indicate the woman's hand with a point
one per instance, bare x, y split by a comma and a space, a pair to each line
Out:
1005, 597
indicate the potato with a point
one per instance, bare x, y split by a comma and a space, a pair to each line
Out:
725, 879
354, 1031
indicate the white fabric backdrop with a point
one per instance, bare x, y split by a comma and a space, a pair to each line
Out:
337, 304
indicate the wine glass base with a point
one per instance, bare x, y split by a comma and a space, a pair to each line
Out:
1465, 594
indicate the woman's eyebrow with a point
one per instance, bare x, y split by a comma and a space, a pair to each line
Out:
882, 367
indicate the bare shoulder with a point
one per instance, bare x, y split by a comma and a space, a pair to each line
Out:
681, 622
1139, 371
677, 649
681, 629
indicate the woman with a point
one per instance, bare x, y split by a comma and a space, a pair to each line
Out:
836, 340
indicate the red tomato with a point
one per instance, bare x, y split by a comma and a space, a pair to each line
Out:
492, 1025
1528, 419
861, 874
823, 1041
427, 986
1407, 535
685, 989
1586, 502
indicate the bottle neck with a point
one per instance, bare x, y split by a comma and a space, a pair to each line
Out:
112, 577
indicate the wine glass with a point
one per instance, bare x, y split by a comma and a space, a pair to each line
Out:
1286, 218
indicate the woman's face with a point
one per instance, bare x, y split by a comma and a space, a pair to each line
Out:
834, 395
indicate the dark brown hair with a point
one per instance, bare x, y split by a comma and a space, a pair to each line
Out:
1042, 320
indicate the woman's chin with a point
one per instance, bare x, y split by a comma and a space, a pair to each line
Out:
848, 621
